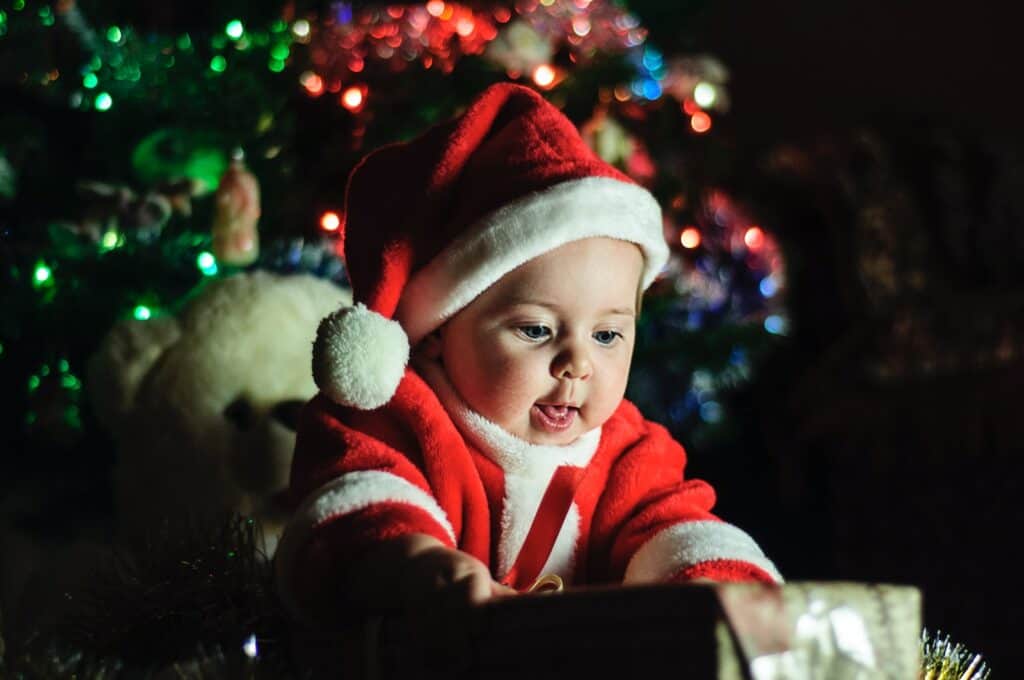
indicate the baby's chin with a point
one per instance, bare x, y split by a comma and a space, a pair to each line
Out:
549, 439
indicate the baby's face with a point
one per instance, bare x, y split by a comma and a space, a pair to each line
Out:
545, 351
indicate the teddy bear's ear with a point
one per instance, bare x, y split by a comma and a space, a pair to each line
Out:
124, 358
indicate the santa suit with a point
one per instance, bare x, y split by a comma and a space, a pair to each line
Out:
367, 476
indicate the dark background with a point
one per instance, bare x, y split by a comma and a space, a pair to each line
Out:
805, 64
917, 480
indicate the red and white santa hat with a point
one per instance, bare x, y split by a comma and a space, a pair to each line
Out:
432, 223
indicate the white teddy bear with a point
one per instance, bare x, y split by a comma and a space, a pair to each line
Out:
202, 405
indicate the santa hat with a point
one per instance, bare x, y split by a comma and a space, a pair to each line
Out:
432, 223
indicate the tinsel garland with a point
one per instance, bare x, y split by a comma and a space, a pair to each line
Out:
946, 660
196, 601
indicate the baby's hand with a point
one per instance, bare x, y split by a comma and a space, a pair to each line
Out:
444, 576
438, 584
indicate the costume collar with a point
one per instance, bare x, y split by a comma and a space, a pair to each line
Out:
509, 452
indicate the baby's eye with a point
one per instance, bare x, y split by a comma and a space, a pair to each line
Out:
534, 332
607, 337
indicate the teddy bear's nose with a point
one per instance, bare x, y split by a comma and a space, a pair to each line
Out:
287, 412
240, 412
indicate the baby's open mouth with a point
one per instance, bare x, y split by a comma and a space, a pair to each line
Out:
553, 417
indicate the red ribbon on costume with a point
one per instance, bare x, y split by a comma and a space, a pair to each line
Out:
547, 523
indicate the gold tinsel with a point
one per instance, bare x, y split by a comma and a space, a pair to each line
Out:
944, 660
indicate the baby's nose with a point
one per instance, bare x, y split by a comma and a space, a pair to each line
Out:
573, 364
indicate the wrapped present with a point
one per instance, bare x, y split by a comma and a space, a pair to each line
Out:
800, 631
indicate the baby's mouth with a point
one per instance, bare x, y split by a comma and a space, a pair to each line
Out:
553, 417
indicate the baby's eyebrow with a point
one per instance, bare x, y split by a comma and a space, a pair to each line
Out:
517, 302
620, 311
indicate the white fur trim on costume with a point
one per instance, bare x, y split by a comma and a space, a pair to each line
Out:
358, 490
359, 357
509, 452
353, 492
522, 230
347, 494
690, 543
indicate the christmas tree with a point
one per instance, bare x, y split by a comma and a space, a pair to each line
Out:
145, 152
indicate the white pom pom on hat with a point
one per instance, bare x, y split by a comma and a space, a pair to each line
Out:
359, 357
432, 223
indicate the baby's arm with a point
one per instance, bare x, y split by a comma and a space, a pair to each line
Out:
653, 525
370, 535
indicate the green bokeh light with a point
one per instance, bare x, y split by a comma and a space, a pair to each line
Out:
275, 65
114, 34
110, 240
18, 5
218, 64
33, 383
185, 43
103, 102
89, 81
42, 275
279, 52
142, 312
234, 29
207, 263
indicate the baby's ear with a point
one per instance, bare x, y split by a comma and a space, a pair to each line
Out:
430, 346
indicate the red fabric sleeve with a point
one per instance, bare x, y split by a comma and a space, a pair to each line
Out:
647, 497
353, 488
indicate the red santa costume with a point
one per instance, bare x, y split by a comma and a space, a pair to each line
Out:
387, 449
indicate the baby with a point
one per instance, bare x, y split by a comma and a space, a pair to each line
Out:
499, 449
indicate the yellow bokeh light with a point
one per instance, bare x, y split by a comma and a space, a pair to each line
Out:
352, 98
690, 238
330, 221
544, 75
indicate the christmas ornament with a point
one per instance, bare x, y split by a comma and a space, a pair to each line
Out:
236, 214
112, 211
319, 257
170, 154
520, 49
607, 137
615, 145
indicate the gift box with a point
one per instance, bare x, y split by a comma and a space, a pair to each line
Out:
800, 631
